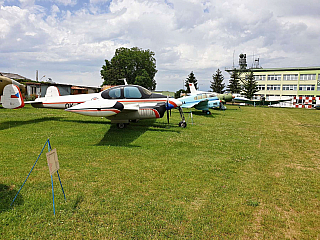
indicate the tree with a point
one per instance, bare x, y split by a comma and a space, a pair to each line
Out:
217, 85
250, 86
234, 82
136, 65
177, 94
191, 79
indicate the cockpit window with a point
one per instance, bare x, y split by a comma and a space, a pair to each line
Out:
115, 93
132, 92
146, 91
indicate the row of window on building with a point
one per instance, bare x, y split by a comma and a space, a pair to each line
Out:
286, 77
288, 87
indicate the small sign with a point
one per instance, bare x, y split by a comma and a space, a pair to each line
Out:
52, 159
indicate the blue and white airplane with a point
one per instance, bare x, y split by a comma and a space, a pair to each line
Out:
201, 100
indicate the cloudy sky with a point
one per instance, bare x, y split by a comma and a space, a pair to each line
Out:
68, 40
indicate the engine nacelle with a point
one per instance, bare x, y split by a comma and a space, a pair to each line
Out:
214, 104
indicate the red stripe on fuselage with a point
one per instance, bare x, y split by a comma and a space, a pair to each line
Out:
61, 102
95, 110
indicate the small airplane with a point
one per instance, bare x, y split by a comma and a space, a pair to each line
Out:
201, 100
260, 102
10, 93
120, 104
223, 97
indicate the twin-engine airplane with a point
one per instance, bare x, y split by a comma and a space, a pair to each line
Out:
223, 97
204, 100
121, 104
10, 93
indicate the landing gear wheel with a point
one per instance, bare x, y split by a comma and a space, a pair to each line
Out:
121, 125
182, 124
208, 112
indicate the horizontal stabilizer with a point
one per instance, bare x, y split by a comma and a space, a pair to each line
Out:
12, 97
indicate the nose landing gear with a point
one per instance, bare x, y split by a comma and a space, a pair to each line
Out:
183, 122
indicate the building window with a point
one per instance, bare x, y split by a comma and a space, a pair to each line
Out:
259, 77
261, 87
273, 87
274, 77
306, 87
307, 76
291, 77
289, 87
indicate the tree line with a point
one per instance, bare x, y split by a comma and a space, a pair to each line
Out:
138, 67
247, 86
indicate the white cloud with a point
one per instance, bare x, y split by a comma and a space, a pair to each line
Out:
186, 36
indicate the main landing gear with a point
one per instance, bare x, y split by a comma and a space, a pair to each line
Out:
183, 122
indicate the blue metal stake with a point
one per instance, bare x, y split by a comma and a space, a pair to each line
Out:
29, 173
49, 145
61, 186
54, 210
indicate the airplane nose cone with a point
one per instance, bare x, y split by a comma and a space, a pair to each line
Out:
175, 103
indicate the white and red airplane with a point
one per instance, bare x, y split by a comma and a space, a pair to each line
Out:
120, 104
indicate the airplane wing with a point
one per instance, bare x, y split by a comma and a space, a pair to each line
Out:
131, 107
259, 102
195, 104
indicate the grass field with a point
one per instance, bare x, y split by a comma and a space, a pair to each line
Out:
249, 173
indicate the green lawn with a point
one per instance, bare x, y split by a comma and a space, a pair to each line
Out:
249, 173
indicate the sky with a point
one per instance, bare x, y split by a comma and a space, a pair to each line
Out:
69, 40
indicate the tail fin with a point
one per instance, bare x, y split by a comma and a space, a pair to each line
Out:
192, 88
12, 97
52, 91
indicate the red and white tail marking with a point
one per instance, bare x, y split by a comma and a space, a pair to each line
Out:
12, 97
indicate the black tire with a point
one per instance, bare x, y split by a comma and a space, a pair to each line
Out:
121, 125
182, 124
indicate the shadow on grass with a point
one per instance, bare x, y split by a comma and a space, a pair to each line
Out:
125, 137
87, 121
200, 113
12, 124
7, 194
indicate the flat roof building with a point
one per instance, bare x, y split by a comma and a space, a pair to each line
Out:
292, 81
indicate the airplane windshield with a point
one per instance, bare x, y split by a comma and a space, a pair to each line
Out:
115, 93
145, 91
